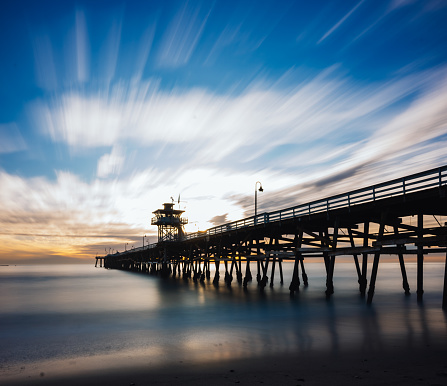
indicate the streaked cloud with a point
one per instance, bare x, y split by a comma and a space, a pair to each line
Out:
82, 49
11, 140
143, 51
340, 22
182, 35
110, 51
45, 69
327, 109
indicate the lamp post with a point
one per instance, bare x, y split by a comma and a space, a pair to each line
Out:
143, 240
125, 247
256, 197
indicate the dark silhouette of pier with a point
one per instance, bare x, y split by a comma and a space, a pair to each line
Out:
398, 217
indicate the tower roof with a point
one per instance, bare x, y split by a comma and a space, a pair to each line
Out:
168, 209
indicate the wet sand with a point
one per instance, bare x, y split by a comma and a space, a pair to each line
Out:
402, 366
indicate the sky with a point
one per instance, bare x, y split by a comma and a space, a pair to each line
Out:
110, 108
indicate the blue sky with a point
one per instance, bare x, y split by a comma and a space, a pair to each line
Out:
109, 108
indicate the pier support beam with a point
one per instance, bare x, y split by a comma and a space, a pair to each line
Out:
295, 284
258, 263
280, 273
444, 294
248, 276
330, 263
239, 270
372, 282
265, 278
233, 264
208, 271
273, 272
363, 282
216, 274
238, 267
420, 259
303, 272
330, 277
356, 259
405, 284
195, 269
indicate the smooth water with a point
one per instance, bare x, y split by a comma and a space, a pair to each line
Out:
65, 313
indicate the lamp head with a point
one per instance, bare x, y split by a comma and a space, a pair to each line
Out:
260, 189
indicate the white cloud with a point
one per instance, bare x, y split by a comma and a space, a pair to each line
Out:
214, 126
110, 163
341, 134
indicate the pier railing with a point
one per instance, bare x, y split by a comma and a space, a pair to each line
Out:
147, 246
398, 187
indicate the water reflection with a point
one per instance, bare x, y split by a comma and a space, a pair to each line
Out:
225, 320
114, 312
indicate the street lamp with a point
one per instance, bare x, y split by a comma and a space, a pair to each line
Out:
256, 196
125, 247
143, 240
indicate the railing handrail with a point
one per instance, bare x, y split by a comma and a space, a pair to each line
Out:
398, 186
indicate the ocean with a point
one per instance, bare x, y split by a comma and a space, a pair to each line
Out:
64, 318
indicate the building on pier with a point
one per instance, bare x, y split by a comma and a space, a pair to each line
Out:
169, 222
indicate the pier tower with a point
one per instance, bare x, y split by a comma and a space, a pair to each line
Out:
169, 222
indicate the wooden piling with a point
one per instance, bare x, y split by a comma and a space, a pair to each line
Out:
281, 277
372, 282
303, 272
444, 294
364, 281
420, 259
273, 272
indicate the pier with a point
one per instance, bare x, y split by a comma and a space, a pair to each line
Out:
398, 218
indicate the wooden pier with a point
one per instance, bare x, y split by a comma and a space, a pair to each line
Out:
399, 217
